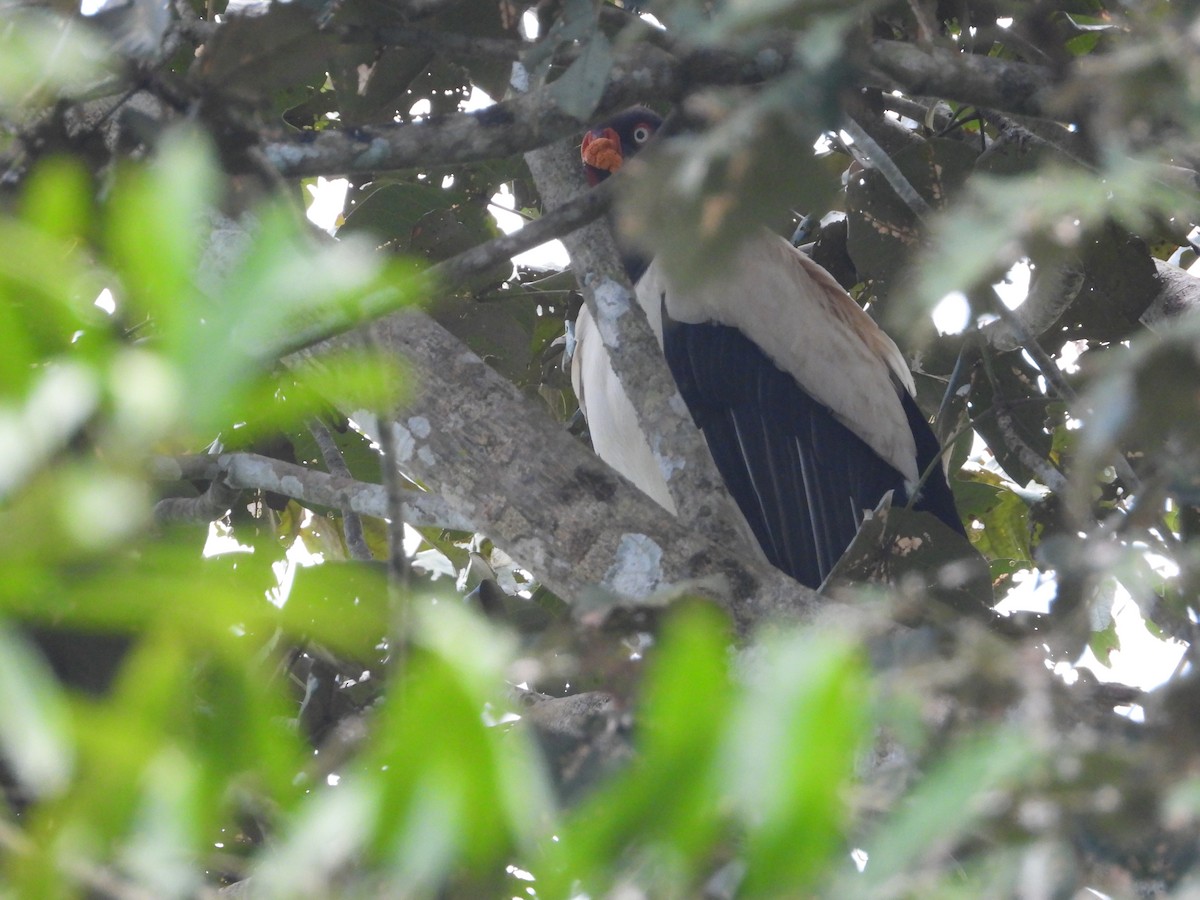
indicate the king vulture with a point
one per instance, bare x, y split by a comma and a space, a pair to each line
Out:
806, 405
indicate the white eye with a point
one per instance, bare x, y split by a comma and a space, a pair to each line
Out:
641, 134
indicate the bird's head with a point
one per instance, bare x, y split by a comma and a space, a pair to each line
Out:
605, 148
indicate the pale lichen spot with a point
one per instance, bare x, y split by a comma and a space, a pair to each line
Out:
404, 442
637, 569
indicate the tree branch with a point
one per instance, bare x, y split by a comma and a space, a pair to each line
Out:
457, 270
696, 487
249, 471
571, 215
356, 541
213, 504
985, 81
1055, 286
506, 469
513, 126
1045, 470
1180, 295
525, 122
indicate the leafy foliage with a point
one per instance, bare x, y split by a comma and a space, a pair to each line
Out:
166, 686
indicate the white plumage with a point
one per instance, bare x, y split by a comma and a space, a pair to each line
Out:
616, 436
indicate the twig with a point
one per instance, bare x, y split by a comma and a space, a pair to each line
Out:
874, 157
356, 542
1043, 468
1051, 477
572, 215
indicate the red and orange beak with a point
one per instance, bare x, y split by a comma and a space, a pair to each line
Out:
601, 152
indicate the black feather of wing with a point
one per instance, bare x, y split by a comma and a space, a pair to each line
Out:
801, 478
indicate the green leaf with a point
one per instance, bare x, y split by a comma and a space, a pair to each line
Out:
157, 218
951, 800
253, 56
43, 56
667, 808
903, 546
344, 605
883, 232
989, 498
34, 720
693, 200
1105, 642
792, 745
578, 90
453, 791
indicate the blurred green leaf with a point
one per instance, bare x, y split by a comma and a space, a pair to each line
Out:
34, 720
165, 829
792, 747
1104, 642
61, 401
448, 793
667, 808
578, 90
43, 55
987, 227
950, 801
345, 604
156, 227
57, 199
692, 200
324, 836
47, 294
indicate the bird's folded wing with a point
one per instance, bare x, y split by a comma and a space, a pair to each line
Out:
799, 475
803, 321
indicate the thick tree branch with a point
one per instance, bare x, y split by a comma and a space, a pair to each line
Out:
1055, 286
1180, 295
208, 507
986, 81
641, 73
508, 470
696, 487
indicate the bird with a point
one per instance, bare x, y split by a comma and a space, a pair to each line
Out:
807, 406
